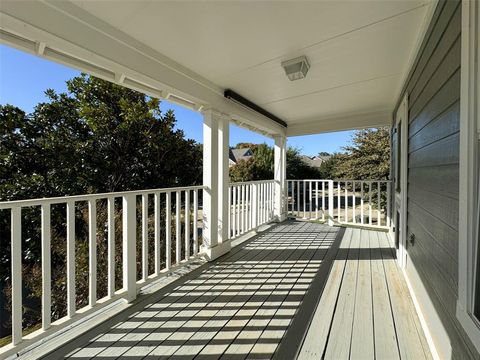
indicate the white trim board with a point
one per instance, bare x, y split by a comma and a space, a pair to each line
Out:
469, 136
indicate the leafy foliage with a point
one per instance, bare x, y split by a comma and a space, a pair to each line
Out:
367, 158
260, 165
97, 137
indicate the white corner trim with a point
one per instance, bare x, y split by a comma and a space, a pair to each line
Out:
469, 99
431, 6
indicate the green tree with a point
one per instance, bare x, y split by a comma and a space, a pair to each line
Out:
97, 137
297, 169
260, 165
367, 158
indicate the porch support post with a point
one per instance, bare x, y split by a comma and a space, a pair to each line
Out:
215, 180
280, 168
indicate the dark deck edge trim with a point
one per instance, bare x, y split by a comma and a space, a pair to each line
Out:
232, 95
292, 343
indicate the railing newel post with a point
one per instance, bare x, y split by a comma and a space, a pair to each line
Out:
16, 263
330, 202
255, 207
46, 267
129, 246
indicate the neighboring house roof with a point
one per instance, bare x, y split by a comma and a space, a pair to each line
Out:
240, 154
314, 161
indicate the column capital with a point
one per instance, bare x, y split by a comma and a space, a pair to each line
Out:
214, 113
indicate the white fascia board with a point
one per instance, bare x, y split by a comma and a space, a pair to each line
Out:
73, 37
340, 123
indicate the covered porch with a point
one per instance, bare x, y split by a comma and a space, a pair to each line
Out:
228, 273
296, 289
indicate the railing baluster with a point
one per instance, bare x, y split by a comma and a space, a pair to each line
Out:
304, 199
362, 184
346, 202
234, 211
168, 230
354, 203
339, 201
71, 295
379, 221
230, 222
370, 203
255, 206
388, 215
316, 200
270, 201
195, 221
144, 237
291, 187
46, 267
249, 212
187, 224
111, 245
323, 200
237, 209
178, 229
265, 202
92, 255
310, 199
16, 261
298, 198
243, 208
157, 233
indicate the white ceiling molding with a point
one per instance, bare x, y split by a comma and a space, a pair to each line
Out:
340, 123
71, 36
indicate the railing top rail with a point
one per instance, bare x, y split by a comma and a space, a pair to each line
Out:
86, 197
370, 180
251, 182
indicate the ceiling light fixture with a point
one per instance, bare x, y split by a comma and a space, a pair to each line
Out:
296, 68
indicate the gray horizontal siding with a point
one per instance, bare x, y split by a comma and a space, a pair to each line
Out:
433, 87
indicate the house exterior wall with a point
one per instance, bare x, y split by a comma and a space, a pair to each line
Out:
433, 87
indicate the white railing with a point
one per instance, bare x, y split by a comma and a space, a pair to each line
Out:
251, 204
357, 202
164, 214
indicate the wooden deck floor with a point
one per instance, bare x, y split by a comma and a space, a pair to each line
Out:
298, 289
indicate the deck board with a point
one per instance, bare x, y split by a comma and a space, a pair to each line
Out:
363, 344
243, 305
386, 346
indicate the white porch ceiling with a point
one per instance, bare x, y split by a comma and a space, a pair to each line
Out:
359, 51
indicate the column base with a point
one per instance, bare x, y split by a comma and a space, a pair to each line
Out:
212, 253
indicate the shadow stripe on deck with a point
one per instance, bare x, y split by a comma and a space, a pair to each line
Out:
291, 244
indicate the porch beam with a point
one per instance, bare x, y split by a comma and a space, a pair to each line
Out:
71, 36
341, 123
280, 166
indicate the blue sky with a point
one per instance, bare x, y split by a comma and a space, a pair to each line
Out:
24, 78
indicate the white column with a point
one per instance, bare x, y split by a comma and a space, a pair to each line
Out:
279, 175
223, 177
215, 180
